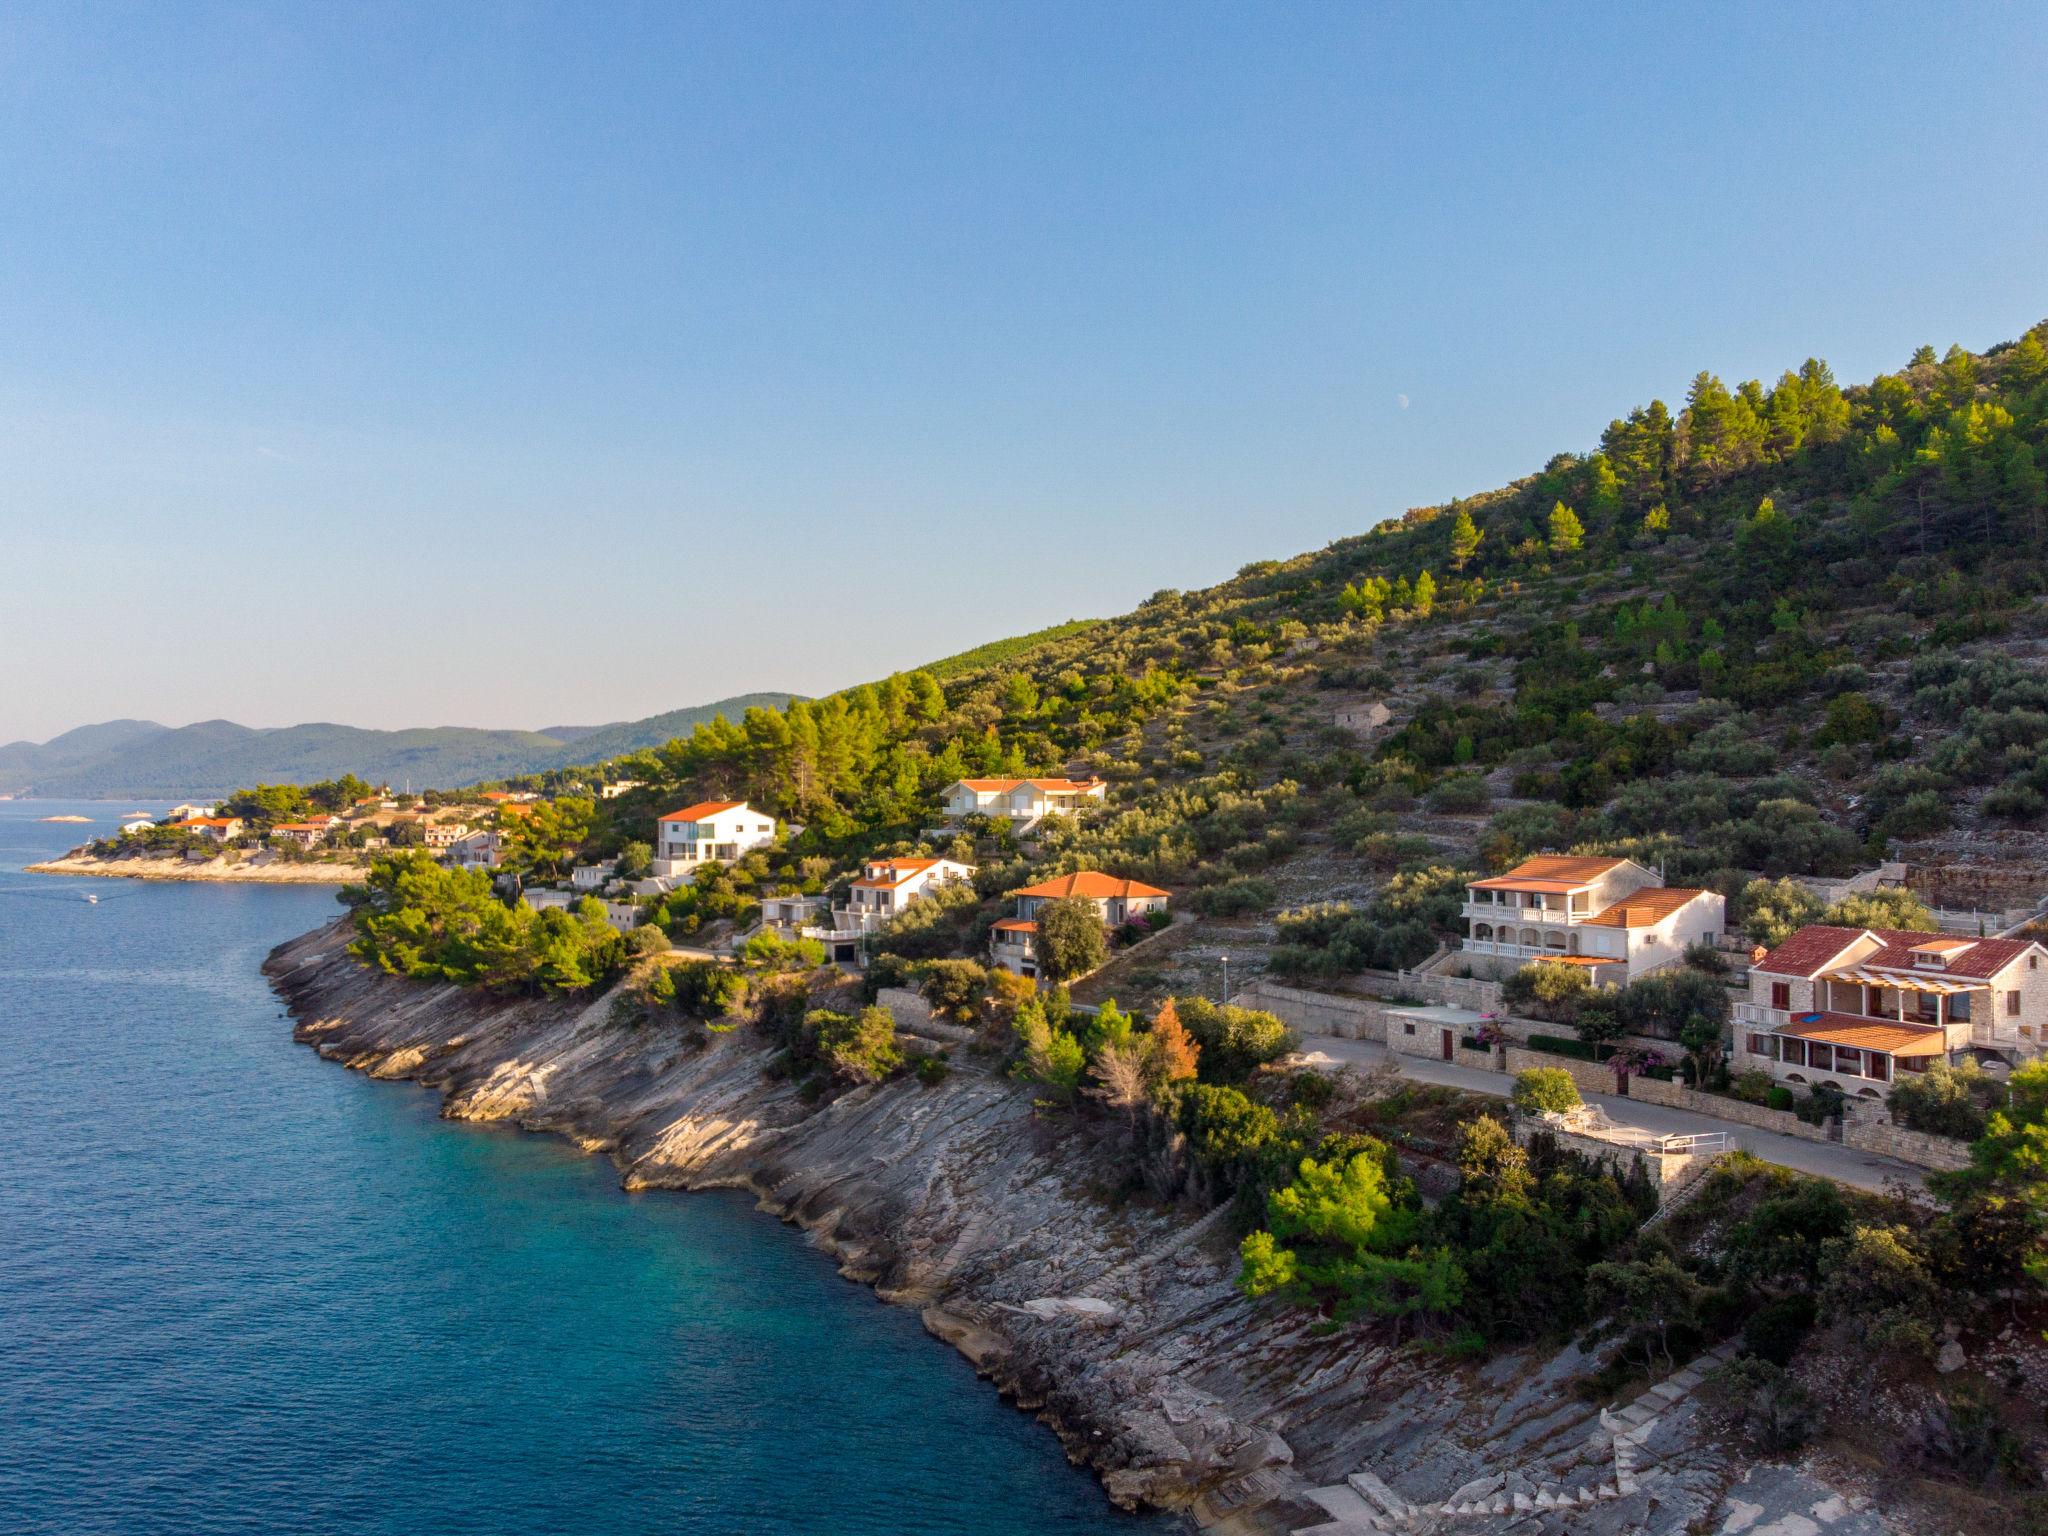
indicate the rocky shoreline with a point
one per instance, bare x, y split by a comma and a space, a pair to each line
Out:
1118, 1326
212, 870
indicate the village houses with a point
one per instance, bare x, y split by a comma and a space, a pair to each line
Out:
1013, 941
484, 849
443, 835
1856, 1007
1612, 916
712, 831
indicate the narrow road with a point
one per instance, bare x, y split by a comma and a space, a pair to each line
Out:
1825, 1160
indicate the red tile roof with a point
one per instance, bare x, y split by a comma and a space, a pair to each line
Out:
704, 810
1647, 907
1091, 884
1551, 872
1017, 925
1866, 1034
1049, 786
1816, 946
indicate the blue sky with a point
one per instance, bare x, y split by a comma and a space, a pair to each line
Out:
523, 364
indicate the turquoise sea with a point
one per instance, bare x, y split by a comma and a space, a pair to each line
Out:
244, 1290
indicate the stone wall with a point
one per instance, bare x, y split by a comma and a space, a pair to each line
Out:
1317, 1013
1675, 1095
1481, 1060
1663, 1168
1588, 1077
1457, 991
1916, 1147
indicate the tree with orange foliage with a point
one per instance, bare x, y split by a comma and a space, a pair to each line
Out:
1174, 1051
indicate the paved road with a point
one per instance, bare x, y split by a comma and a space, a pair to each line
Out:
1823, 1159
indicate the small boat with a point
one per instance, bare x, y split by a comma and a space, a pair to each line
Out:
91, 900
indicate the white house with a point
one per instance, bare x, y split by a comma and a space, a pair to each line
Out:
477, 850
541, 897
711, 831
791, 914
619, 787
217, 828
178, 813
1607, 914
1022, 801
305, 834
1013, 942
444, 834
586, 878
887, 887
1857, 1006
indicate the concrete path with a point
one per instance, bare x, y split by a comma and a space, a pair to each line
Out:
1827, 1160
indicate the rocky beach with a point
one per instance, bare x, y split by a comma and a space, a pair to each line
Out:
1119, 1326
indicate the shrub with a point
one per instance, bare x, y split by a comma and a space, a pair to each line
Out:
1753, 1086
1235, 1042
857, 1048
1459, 794
955, 988
1547, 990
1770, 1408
707, 990
1234, 898
1557, 1045
1780, 1097
1545, 1091
1944, 1100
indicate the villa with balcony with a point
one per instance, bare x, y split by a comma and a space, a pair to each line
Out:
1023, 802
1855, 1007
1609, 915
710, 832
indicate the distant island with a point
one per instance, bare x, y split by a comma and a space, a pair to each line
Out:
140, 758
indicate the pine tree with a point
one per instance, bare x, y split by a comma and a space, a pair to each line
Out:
1465, 537
1566, 531
1174, 1051
1424, 597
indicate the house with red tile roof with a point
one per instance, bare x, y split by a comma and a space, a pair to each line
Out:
1013, 942
709, 832
305, 834
886, 888
1021, 801
218, 828
1855, 1007
1611, 915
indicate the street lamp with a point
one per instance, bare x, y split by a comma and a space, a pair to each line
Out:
1226, 976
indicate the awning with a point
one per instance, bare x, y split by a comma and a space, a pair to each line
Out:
1867, 1034
1904, 982
1578, 960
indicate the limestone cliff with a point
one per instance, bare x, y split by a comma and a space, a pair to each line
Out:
1120, 1326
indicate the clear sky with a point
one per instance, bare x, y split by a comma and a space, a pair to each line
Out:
525, 364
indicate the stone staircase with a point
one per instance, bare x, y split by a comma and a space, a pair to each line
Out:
1363, 1504
1676, 1197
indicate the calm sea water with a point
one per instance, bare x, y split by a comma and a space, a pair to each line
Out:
242, 1289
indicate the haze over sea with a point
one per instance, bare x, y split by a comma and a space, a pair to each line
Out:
244, 1290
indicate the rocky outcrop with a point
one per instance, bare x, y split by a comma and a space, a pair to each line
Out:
1117, 1324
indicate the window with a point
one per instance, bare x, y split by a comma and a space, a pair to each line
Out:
2012, 1005
1407, 1029
1759, 1045
1781, 994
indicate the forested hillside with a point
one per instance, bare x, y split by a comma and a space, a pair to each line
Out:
1780, 627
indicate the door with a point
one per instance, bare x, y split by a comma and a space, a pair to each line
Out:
1448, 1044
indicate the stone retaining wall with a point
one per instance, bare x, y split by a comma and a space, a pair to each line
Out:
1675, 1095
1915, 1147
1317, 1013
1588, 1077
1455, 991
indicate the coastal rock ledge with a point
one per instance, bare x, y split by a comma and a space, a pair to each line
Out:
1118, 1326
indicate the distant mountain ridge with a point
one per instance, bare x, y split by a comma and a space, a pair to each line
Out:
213, 757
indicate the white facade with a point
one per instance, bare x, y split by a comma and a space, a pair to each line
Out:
540, 898
477, 850
888, 887
444, 834
1609, 914
588, 877
712, 832
1022, 800
619, 787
